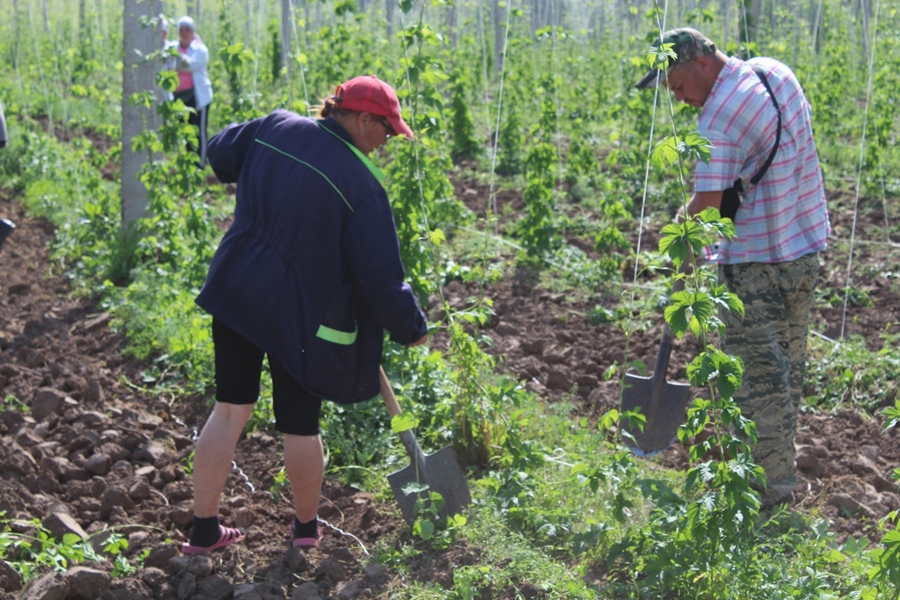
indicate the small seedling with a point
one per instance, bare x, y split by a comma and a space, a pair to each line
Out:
278, 484
11, 402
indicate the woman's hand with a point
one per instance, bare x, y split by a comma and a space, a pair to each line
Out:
418, 342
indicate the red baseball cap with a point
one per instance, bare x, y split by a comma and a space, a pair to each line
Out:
367, 93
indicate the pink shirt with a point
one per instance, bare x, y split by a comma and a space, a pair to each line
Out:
185, 78
785, 216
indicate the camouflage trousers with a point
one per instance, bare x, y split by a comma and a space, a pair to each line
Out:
771, 340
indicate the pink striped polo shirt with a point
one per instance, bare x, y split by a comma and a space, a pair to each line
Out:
785, 216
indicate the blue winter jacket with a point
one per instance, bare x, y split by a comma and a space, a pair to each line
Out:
310, 269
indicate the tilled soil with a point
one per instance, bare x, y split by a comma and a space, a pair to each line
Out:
88, 452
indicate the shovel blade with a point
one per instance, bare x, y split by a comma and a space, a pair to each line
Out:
442, 474
663, 403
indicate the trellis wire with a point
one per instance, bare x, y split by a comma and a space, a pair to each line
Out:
259, 12
643, 212
340, 531
300, 68
409, 90
553, 32
491, 206
492, 193
661, 27
862, 155
634, 285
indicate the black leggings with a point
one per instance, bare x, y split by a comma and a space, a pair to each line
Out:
199, 119
238, 373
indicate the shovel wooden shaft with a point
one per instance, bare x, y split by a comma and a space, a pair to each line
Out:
387, 394
668, 338
393, 407
665, 351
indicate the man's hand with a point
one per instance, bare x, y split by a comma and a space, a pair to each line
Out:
700, 202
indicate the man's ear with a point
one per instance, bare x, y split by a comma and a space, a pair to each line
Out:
703, 63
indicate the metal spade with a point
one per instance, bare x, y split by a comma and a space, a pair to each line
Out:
662, 402
440, 471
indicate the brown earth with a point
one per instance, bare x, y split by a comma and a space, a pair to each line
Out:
87, 450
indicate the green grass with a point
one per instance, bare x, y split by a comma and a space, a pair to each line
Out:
848, 374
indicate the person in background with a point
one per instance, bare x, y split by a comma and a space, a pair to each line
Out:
309, 275
782, 225
4, 137
194, 87
6, 226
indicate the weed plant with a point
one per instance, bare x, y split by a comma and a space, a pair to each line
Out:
849, 375
30, 548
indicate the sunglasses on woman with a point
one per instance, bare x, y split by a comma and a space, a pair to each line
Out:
386, 124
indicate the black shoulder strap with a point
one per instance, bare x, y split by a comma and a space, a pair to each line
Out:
762, 77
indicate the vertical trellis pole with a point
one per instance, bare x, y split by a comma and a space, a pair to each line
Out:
138, 75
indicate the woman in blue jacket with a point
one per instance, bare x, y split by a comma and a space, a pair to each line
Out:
308, 274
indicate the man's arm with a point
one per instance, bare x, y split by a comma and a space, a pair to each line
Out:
699, 202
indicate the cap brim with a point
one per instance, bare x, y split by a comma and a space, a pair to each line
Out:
400, 126
650, 80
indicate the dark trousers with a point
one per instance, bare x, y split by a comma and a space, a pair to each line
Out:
198, 119
239, 365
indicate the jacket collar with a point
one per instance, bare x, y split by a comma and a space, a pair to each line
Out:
334, 128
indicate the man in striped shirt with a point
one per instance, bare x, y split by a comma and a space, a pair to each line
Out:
782, 225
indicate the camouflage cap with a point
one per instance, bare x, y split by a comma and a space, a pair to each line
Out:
687, 44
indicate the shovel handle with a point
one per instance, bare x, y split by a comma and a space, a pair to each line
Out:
387, 394
409, 440
668, 338
665, 350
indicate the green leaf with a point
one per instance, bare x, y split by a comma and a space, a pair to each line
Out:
695, 147
578, 468
834, 556
415, 487
892, 413
424, 529
658, 57
608, 420
665, 153
403, 422
636, 420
